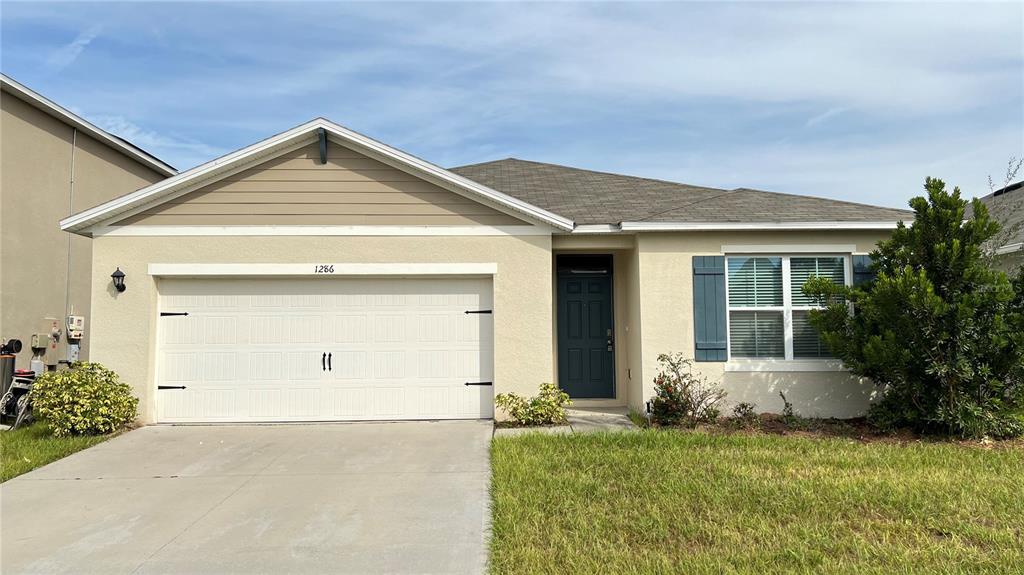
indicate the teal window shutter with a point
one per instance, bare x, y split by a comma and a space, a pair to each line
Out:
862, 270
709, 308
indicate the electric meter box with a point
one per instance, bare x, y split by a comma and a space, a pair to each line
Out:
75, 326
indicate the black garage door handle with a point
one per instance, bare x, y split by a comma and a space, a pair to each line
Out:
323, 362
329, 368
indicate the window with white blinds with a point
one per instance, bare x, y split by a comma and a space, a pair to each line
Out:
755, 282
802, 269
768, 312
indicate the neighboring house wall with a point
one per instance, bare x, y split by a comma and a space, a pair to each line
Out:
124, 330
1011, 262
665, 282
45, 271
296, 189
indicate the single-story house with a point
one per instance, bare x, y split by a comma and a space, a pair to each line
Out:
322, 275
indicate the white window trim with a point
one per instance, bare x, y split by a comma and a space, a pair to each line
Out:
788, 363
754, 365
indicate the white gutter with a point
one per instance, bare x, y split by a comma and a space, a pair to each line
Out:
48, 106
752, 226
1010, 248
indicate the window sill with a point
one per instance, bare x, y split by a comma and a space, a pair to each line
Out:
749, 365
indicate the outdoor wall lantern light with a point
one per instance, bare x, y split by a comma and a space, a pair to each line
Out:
118, 277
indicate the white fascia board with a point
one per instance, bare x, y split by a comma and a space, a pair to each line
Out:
597, 229
1010, 248
50, 107
753, 226
320, 269
150, 231
151, 194
790, 249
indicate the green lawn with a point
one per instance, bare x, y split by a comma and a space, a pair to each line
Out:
677, 502
26, 448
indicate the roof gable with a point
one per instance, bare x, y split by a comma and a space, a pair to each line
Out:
150, 197
47, 106
295, 188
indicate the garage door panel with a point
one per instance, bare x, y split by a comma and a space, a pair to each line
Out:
350, 365
252, 350
350, 403
220, 366
304, 402
350, 328
304, 365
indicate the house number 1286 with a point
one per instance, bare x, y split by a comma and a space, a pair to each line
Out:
323, 269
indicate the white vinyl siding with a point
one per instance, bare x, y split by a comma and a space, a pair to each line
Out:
768, 311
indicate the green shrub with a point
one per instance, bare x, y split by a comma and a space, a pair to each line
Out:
545, 408
87, 399
789, 416
682, 398
938, 330
744, 415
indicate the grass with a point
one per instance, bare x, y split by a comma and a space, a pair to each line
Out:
691, 502
27, 448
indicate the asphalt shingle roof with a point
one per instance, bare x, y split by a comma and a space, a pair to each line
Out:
1006, 206
590, 197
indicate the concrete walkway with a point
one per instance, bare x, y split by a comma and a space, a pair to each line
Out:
346, 498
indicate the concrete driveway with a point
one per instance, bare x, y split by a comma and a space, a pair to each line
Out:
405, 497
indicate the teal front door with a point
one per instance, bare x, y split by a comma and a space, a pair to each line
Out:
585, 344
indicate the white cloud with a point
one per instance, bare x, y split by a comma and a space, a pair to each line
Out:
67, 54
824, 116
186, 152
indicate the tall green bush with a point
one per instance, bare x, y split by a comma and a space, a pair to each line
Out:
939, 329
87, 399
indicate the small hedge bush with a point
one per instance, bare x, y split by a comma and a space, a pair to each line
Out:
87, 399
545, 408
682, 398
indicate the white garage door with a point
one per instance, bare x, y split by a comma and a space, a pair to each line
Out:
324, 349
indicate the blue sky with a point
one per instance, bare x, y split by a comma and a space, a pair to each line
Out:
850, 101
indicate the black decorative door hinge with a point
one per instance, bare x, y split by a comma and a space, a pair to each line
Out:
479, 383
478, 311
170, 387
169, 313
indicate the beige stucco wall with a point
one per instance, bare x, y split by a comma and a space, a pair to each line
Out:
665, 285
124, 331
36, 280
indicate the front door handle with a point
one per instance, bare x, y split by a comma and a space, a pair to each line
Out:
323, 362
329, 368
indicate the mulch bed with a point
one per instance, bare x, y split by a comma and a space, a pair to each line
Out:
856, 429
